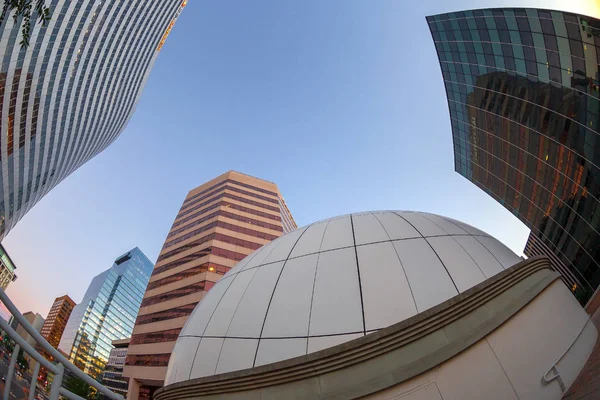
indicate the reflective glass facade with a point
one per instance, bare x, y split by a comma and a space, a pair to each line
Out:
107, 312
522, 88
70, 94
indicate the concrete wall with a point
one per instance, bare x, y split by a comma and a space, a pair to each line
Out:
509, 363
594, 303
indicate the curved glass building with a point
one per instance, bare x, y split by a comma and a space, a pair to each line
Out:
68, 95
523, 95
106, 313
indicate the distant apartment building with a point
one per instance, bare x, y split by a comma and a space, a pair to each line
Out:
36, 321
219, 223
523, 89
54, 326
71, 93
7, 269
107, 312
112, 377
56, 321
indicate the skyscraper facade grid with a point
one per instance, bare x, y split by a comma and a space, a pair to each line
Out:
107, 312
523, 95
68, 95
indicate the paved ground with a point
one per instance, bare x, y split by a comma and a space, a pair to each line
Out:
19, 390
587, 384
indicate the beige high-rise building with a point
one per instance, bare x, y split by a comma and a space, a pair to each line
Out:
219, 223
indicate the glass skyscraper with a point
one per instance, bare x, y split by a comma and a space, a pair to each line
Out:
107, 312
523, 94
70, 94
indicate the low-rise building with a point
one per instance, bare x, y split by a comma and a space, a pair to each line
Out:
112, 377
7, 269
35, 320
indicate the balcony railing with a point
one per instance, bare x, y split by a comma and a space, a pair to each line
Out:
57, 368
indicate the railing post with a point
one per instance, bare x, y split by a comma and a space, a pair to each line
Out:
34, 378
58, 357
547, 379
11, 371
57, 382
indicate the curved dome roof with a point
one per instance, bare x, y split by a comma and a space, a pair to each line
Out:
331, 282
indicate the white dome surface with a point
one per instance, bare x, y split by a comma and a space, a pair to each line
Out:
331, 282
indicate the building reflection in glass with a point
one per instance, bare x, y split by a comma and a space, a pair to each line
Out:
107, 312
523, 95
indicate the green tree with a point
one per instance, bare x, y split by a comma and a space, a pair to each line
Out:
23, 9
79, 387
22, 361
8, 344
582, 295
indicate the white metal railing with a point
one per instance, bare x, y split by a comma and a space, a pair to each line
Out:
547, 378
57, 369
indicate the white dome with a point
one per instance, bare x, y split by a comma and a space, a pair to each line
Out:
331, 282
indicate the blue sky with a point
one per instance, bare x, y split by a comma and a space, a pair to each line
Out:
339, 102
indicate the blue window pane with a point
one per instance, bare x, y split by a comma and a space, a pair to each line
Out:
491, 23
560, 28
500, 62
515, 37
494, 37
518, 51
521, 68
535, 25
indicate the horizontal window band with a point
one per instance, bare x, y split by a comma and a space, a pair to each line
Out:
212, 267
222, 213
228, 254
196, 287
224, 203
226, 186
229, 181
216, 236
224, 225
229, 196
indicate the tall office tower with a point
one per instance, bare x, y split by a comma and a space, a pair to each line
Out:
70, 94
523, 94
7, 269
112, 377
56, 321
107, 312
219, 223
